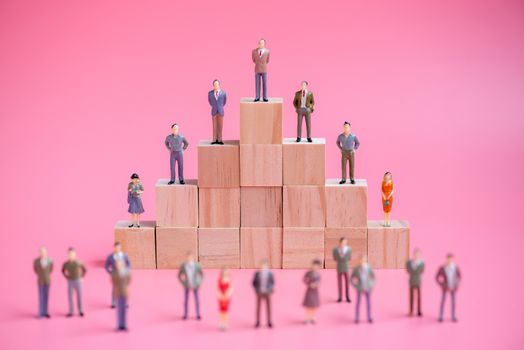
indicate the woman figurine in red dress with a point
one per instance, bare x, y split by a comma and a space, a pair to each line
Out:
387, 197
225, 290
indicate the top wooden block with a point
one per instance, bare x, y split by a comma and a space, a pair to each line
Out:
176, 205
219, 165
261, 122
304, 162
346, 205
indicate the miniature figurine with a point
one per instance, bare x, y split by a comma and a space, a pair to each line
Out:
448, 278
260, 57
304, 104
190, 275
387, 197
134, 194
263, 283
176, 144
363, 279
110, 265
312, 298
121, 277
43, 266
415, 268
348, 144
225, 290
217, 99
342, 256
74, 271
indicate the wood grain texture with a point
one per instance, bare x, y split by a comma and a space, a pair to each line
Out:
219, 247
357, 240
219, 207
388, 247
304, 163
176, 205
261, 206
259, 243
218, 165
301, 246
261, 122
138, 243
304, 206
261, 165
173, 244
346, 205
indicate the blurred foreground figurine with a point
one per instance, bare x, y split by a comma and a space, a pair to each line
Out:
363, 279
312, 298
348, 144
225, 290
134, 193
448, 278
110, 265
121, 277
176, 144
304, 104
263, 284
387, 197
260, 57
217, 100
190, 275
74, 271
342, 256
43, 266
415, 268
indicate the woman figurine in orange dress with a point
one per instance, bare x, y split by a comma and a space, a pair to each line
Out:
225, 290
387, 197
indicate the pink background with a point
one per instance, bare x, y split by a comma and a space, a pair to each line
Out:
434, 90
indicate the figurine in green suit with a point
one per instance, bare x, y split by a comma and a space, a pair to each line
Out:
342, 256
415, 268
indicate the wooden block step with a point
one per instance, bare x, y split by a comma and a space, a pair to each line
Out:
388, 247
219, 207
301, 246
260, 165
176, 205
219, 247
261, 122
346, 205
304, 206
304, 163
173, 244
138, 243
218, 165
259, 243
261, 206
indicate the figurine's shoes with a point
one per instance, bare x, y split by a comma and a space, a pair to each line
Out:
131, 225
352, 182
356, 321
266, 100
257, 99
342, 182
47, 316
184, 317
419, 314
298, 139
370, 320
440, 319
220, 142
454, 319
182, 182
270, 325
339, 300
348, 300
113, 306
199, 317
309, 139
81, 314
69, 315
138, 226
214, 142
257, 325
171, 182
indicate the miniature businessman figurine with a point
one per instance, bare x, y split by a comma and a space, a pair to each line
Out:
312, 298
190, 275
110, 265
176, 144
348, 144
304, 104
263, 283
134, 194
74, 271
448, 277
217, 100
43, 266
363, 279
387, 197
260, 57
415, 268
121, 277
342, 256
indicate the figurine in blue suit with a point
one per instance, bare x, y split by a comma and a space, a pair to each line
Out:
217, 100
110, 266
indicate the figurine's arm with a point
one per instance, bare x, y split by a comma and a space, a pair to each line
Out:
50, 266
335, 257
107, 265
84, 270
267, 58
339, 144
357, 143
186, 144
64, 271
166, 142
354, 278
35, 267
408, 264
127, 261
253, 56
225, 98
295, 102
312, 102
209, 97
439, 278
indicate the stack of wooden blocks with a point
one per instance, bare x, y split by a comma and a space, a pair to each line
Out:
261, 197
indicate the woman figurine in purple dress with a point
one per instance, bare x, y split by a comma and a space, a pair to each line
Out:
312, 298
134, 191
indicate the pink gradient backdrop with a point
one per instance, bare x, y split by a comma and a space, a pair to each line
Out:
434, 90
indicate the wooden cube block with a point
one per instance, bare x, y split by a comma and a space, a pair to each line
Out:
261, 206
301, 246
261, 122
219, 207
218, 165
176, 205
259, 243
219, 247
304, 163
304, 206
346, 205
138, 243
260, 165
388, 247
173, 244
357, 239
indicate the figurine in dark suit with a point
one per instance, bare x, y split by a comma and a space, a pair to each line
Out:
263, 283
342, 256
217, 100
415, 268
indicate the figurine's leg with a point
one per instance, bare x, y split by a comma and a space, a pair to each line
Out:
411, 291
419, 301
264, 85
172, 161
220, 124
308, 123
40, 301
215, 137
197, 302
70, 296
346, 281
352, 165
268, 307
453, 306
78, 284
186, 296
113, 299
442, 302
257, 86
368, 303
357, 307
339, 280
46, 300
180, 161
259, 300
299, 123
344, 159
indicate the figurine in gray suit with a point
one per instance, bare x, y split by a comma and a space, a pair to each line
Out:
260, 57
176, 144
363, 279
342, 256
217, 100
415, 268
190, 275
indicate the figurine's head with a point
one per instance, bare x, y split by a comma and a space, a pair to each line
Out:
347, 128
262, 43
190, 257
343, 241
174, 129
71, 254
450, 258
43, 252
388, 176
135, 178
216, 85
303, 85
264, 264
117, 247
363, 259
316, 264
416, 254
224, 274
